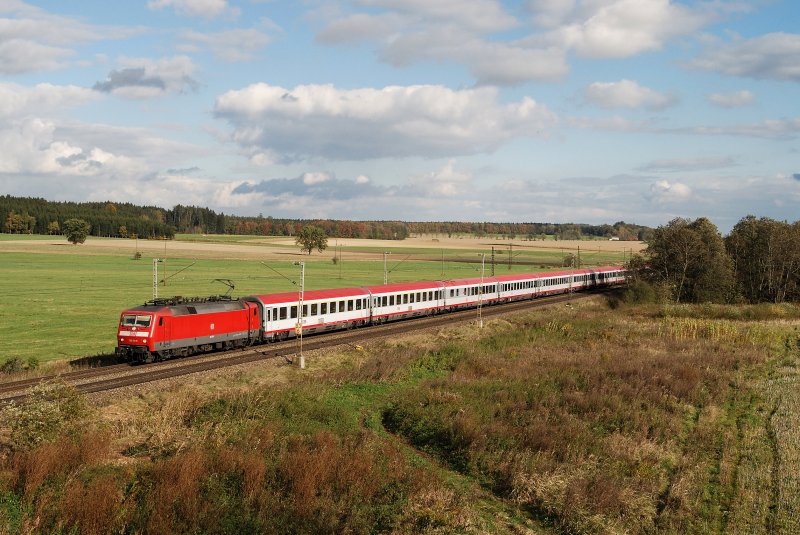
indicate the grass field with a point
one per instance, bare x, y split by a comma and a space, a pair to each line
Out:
59, 301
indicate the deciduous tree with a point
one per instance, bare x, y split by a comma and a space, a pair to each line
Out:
76, 230
311, 237
689, 257
766, 258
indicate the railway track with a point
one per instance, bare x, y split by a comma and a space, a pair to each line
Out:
122, 375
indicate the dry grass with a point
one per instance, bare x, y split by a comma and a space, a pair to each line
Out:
580, 421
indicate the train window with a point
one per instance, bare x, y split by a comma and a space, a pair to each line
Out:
419, 300
305, 310
384, 300
161, 320
283, 313
349, 305
323, 308
294, 311
391, 300
314, 309
358, 304
412, 298
405, 299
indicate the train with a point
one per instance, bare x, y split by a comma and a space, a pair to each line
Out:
178, 327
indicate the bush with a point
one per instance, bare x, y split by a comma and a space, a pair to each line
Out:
11, 365
50, 407
640, 292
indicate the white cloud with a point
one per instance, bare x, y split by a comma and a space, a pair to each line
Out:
476, 34
445, 182
41, 149
412, 34
774, 56
736, 99
141, 78
358, 27
664, 191
428, 121
491, 62
309, 179
476, 15
623, 28
197, 8
18, 101
31, 147
241, 44
32, 39
627, 94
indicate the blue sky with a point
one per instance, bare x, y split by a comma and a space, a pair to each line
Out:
588, 111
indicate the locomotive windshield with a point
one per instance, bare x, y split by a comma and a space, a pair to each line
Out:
136, 320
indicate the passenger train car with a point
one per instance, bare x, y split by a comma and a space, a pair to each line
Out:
173, 327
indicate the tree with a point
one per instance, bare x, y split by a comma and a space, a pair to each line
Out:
76, 230
311, 237
766, 258
53, 228
690, 259
19, 223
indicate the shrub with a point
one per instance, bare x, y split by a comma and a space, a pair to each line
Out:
50, 407
11, 365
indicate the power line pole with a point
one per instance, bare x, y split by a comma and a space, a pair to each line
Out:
155, 278
385, 272
300, 312
492, 260
480, 293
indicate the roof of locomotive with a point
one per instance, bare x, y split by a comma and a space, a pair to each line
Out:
179, 306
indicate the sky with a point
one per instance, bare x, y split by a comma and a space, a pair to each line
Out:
585, 111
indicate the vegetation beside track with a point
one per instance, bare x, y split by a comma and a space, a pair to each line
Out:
568, 420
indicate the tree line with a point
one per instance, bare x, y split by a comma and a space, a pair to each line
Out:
25, 215
690, 261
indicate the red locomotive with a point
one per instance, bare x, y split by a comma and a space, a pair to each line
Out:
166, 328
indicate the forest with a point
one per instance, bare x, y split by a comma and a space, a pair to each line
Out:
25, 215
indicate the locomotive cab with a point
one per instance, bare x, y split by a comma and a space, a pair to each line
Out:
135, 333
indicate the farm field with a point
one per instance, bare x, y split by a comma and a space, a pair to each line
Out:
59, 301
569, 419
